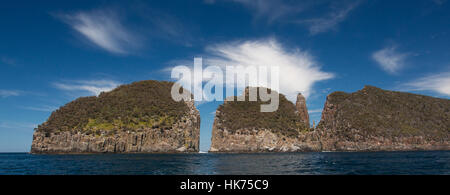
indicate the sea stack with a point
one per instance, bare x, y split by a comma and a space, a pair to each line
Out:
137, 118
239, 126
373, 119
302, 109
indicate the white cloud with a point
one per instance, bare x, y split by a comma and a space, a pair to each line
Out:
439, 83
8, 93
103, 28
389, 59
298, 70
329, 21
93, 87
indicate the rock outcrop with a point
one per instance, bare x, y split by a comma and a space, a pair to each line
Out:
137, 118
302, 109
239, 126
373, 119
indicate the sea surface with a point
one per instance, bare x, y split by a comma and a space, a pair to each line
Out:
313, 163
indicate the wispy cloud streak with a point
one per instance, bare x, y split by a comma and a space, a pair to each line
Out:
329, 21
273, 10
41, 108
295, 12
16, 125
439, 83
93, 87
103, 28
315, 111
8, 93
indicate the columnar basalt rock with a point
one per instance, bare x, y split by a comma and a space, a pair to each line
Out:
150, 122
302, 109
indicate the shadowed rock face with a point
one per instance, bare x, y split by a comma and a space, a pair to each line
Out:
137, 118
239, 126
376, 119
302, 109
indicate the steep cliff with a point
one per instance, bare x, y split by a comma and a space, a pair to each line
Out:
137, 118
376, 119
239, 126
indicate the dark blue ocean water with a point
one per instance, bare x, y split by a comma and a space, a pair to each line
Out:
432, 162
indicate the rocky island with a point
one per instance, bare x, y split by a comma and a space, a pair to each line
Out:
239, 126
371, 119
137, 118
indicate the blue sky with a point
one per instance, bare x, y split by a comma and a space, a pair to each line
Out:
52, 52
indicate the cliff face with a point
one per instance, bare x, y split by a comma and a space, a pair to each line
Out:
239, 126
137, 118
373, 119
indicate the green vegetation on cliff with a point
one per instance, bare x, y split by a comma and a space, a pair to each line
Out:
238, 115
378, 112
144, 104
